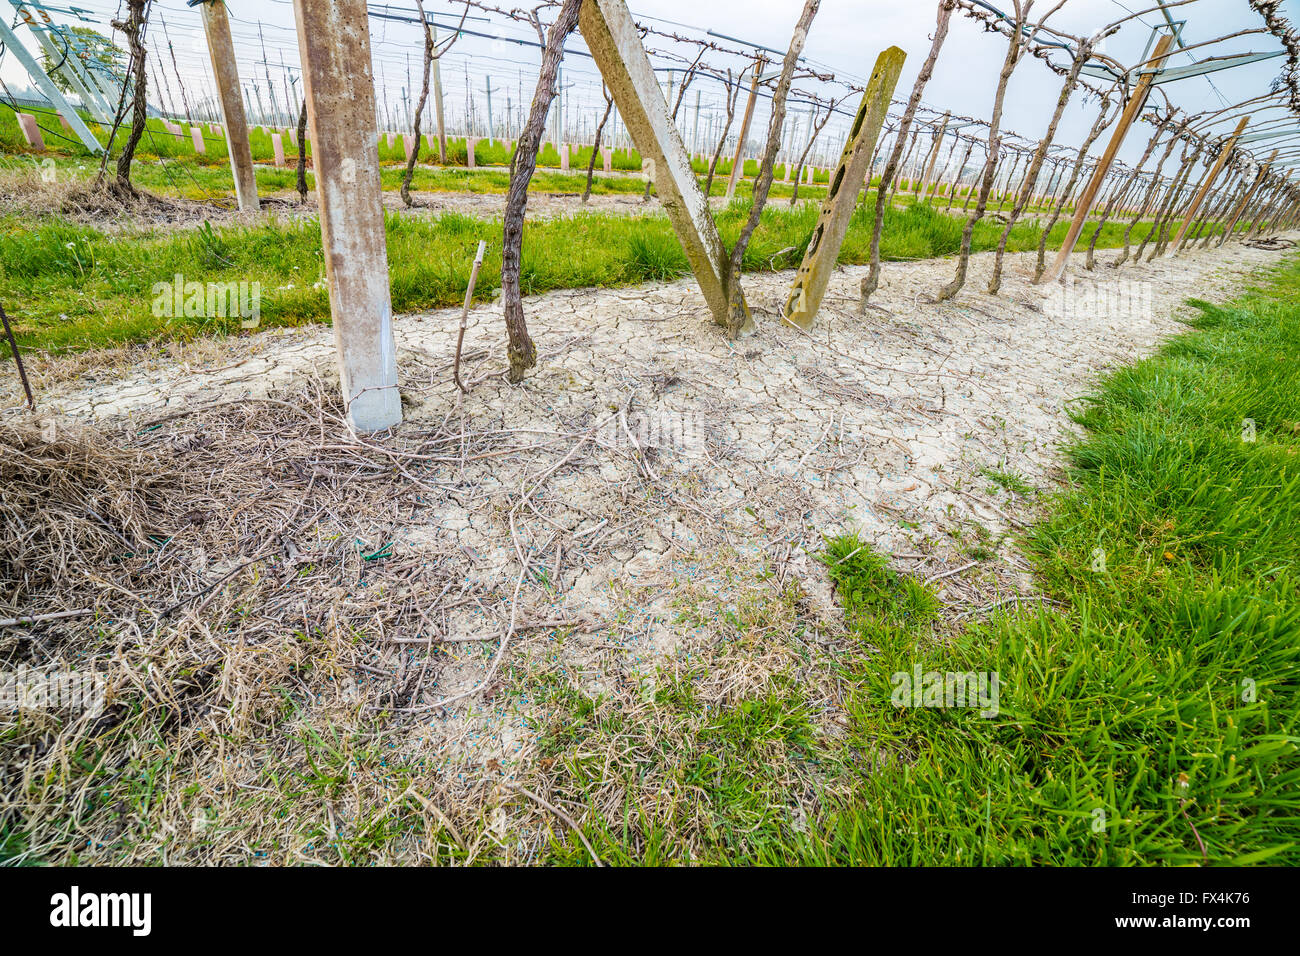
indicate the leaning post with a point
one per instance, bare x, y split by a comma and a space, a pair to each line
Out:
221, 49
334, 44
611, 36
738, 166
1089, 197
1246, 199
841, 198
1206, 186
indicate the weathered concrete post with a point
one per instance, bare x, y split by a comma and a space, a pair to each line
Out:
437, 100
738, 166
612, 37
221, 49
1207, 185
31, 131
334, 46
1089, 196
842, 196
928, 175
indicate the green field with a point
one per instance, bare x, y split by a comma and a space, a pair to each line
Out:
70, 287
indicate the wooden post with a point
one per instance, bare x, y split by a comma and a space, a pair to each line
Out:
738, 166
1126, 120
841, 198
1246, 199
611, 36
334, 47
1208, 184
221, 50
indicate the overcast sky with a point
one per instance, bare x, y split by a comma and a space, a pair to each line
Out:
845, 39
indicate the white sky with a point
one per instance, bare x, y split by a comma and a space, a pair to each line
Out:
845, 38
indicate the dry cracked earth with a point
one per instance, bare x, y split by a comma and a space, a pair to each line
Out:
659, 466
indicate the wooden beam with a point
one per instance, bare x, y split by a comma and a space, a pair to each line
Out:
611, 36
1089, 197
1207, 185
841, 198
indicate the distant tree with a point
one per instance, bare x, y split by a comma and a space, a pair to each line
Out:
97, 46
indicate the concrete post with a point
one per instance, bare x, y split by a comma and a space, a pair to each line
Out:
1207, 185
437, 102
221, 49
46, 86
334, 47
612, 37
738, 166
31, 131
841, 198
1089, 196
928, 175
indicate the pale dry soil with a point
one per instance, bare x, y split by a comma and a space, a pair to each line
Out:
662, 481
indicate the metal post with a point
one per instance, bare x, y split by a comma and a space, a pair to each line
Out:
11, 43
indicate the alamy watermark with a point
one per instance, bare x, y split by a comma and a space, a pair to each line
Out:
75, 908
665, 432
30, 689
947, 691
210, 300
1073, 298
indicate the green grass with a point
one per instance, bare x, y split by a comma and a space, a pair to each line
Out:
1152, 707
1136, 701
70, 287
